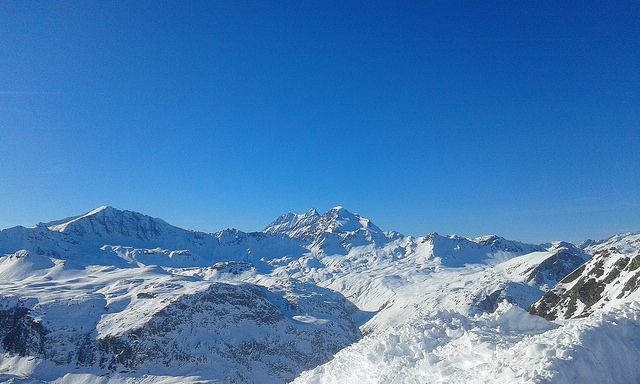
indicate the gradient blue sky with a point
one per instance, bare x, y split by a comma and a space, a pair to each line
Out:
515, 118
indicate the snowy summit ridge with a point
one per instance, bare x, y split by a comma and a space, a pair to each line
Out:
335, 229
312, 225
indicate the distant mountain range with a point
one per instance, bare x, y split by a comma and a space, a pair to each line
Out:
119, 296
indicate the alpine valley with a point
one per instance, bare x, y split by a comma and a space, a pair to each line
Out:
116, 296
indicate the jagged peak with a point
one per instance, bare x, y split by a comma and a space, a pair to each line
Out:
288, 221
311, 224
340, 219
340, 211
565, 245
486, 238
21, 254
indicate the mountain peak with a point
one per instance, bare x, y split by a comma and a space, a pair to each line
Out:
338, 219
101, 208
312, 212
106, 221
61, 225
311, 225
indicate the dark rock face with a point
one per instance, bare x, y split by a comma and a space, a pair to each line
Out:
490, 302
229, 329
555, 268
496, 244
234, 322
19, 332
607, 275
536, 280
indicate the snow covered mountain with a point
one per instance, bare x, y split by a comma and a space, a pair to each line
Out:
335, 231
108, 236
108, 320
312, 225
610, 277
118, 296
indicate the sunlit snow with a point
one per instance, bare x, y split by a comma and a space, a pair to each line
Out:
116, 296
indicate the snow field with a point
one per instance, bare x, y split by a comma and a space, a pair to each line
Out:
507, 346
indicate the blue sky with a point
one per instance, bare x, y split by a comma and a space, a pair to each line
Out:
520, 119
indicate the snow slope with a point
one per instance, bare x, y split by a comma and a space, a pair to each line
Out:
440, 330
507, 346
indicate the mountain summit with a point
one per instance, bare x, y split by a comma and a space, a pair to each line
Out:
311, 225
335, 231
107, 221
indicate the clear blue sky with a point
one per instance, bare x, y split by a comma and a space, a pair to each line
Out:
520, 119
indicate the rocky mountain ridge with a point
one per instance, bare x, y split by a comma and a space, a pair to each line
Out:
611, 275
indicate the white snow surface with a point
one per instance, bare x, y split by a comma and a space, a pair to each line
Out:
263, 307
508, 346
